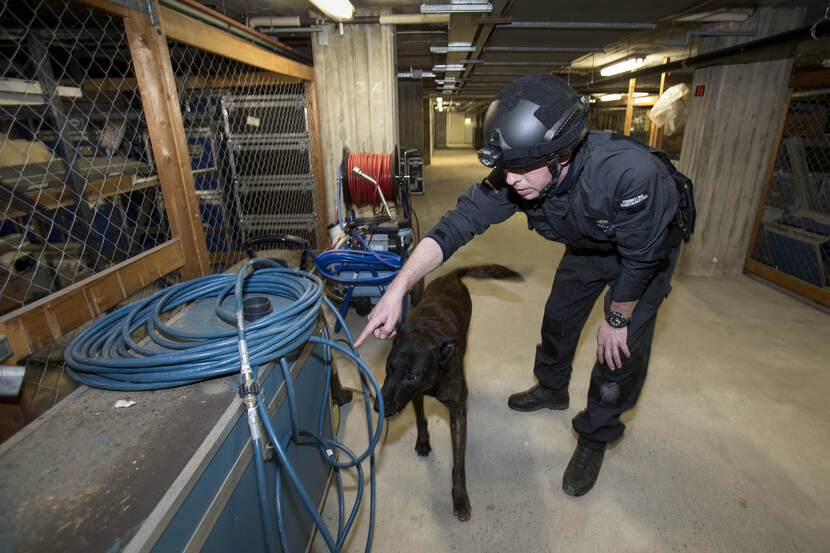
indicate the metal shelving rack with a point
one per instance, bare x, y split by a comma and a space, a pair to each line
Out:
269, 152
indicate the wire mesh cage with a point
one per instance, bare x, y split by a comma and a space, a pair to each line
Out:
642, 129
252, 149
794, 232
77, 184
80, 190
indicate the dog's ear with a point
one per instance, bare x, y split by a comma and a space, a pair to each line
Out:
445, 351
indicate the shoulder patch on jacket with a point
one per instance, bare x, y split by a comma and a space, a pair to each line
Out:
634, 204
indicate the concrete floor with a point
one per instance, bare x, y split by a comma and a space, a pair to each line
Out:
727, 449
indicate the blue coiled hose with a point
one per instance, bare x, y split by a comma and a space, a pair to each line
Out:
105, 355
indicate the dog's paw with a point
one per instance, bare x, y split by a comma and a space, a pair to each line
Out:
462, 510
423, 448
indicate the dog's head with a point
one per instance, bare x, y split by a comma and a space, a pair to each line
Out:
414, 366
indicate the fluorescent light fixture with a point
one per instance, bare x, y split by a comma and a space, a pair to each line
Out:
440, 107
645, 100
640, 94
452, 47
621, 67
448, 67
458, 6
610, 97
468, 121
339, 10
439, 100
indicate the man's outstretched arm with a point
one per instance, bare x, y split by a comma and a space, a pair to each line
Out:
382, 320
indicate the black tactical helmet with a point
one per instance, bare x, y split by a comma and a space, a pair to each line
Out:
533, 119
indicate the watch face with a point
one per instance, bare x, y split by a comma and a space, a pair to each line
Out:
616, 319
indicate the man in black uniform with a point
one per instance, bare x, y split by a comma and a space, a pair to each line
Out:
621, 210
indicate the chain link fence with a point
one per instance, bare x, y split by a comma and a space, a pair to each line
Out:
794, 235
613, 119
79, 190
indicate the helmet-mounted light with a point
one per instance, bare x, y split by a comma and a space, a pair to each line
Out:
490, 156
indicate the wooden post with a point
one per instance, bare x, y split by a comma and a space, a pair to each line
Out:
629, 107
154, 73
317, 165
655, 135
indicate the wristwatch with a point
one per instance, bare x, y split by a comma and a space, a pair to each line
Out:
617, 320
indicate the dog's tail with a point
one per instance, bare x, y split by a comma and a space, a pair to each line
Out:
487, 271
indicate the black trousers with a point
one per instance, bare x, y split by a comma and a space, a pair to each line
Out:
580, 279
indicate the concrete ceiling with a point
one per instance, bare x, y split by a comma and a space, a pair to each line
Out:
525, 38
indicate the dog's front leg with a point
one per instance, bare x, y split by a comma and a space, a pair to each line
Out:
422, 441
458, 431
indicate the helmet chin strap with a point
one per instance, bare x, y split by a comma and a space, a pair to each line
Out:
555, 169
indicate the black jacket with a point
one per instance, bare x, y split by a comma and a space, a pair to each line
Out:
620, 198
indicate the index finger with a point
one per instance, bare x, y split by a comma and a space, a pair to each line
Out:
371, 325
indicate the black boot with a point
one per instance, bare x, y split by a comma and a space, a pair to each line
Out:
539, 397
582, 471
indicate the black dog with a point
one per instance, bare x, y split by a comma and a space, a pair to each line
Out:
427, 358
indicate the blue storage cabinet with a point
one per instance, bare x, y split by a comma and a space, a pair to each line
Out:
800, 252
171, 473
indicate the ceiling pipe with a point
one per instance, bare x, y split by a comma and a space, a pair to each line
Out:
281, 21
388, 19
594, 25
414, 19
818, 31
207, 15
542, 49
690, 34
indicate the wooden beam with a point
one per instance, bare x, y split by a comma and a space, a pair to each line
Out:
191, 31
154, 72
42, 322
251, 78
629, 107
107, 6
317, 164
820, 295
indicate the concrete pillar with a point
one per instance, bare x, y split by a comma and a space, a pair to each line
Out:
411, 117
357, 96
728, 142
